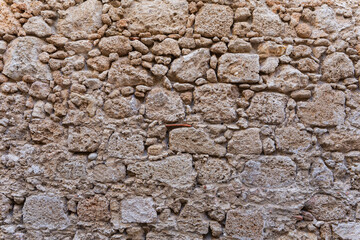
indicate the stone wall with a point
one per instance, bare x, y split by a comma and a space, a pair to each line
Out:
175, 119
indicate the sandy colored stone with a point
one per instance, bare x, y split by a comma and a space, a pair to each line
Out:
214, 170
337, 66
164, 105
315, 112
125, 146
349, 230
39, 90
94, 209
165, 235
8, 23
292, 140
245, 224
22, 58
138, 210
165, 17
87, 13
326, 207
190, 67
267, 23
83, 139
108, 173
239, 68
42, 211
100, 63
190, 220
268, 107
245, 142
214, 20
271, 49
45, 130
341, 140
193, 140
216, 102
303, 30
115, 44
167, 47
261, 173
298, 235
38, 27
121, 107
123, 74
288, 79
5, 206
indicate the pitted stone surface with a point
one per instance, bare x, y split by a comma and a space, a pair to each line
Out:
138, 210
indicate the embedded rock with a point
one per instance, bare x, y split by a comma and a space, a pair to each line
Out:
337, 66
267, 23
38, 27
214, 170
292, 140
125, 145
121, 107
115, 44
244, 224
138, 210
83, 139
94, 209
326, 207
246, 142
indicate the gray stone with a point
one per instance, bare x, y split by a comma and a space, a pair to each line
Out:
38, 27
138, 210
337, 66
246, 142
349, 230
288, 79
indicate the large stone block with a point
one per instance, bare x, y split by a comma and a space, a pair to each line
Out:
84, 18
244, 224
5, 206
213, 170
337, 66
94, 209
239, 68
157, 17
326, 207
261, 172
8, 23
317, 112
246, 142
138, 210
214, 20
267, 22
292, 140
41, 211
115, 44
340, 141
121, 107
216, 102
22, 58
190, 220
193, 140
126, 145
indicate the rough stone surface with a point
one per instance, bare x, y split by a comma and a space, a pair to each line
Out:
246, 142
38, 27
267, 23
115, 44
292, 139
245, 224
94, 209
337, 66
121, 107
326, 207
138, 210
239, 68
216, 102
22, 58
41, 211
214, 20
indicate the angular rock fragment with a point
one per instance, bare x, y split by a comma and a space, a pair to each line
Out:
115, 44
239, 68
83, 139
190, 67
214, 170
246, 142
94, 209
193, 140
337, 66
190, 220
261, 172
8, 23
292, 140
267, 23
349, 230
85, 17
38, 27
326, 207
126, 146
41, 211
22, 58
157, 17
138, 210
214, 20
216, 102
244, 224
326, 108
268, 107
340, 141
45, 131
167, 47
121, 107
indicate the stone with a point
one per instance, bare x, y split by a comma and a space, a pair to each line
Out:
175, 171
267, 23
307, 65
271, 49
216, 102
245, 142
213, 170
93, 209
3, 46
100, 63
39, 90
159, 70
340, 141
269, 65
122, 73
303, 30
287, 79
22, 58
8, 23
139, 46
349, 230
42, 211
240, 29
115, 44
261, 172
242, 14
121, 107
87, 13
5, 206
167, 47
126, 145
164, 105
268, 107
190, 67
298, 235
45, 131
190, 220
325, 207
239, 68
108, 173
337, 66
38, 27
291, 139
81, 46
214, 20
219, 48
165, 17
324, 18
192, 140
83, 139
73, 169
315, 112
239, 45
244, 224
138, 210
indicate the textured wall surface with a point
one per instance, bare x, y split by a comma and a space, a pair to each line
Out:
183, 120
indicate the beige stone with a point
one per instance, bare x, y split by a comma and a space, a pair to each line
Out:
5, 206
108, 173
138, 210
261, 173
337, 66
190, 220
214, 170
125, 146
245, 142
326, 207
214, 20
341, 140
267, 23
239, 68
167, 47
94, 209
193, 140
115, 44
349, 230
216, 102
292, 140
315, 112
39, 90
83, 139
38, 27
244, 224
45, 130
121, 107
288, 79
